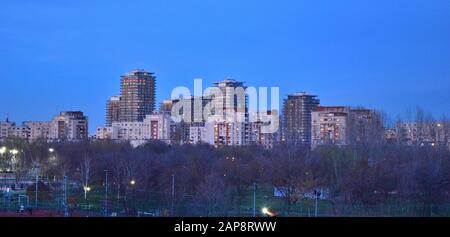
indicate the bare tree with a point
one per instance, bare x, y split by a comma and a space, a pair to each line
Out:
212, 195
85, 169
289, 171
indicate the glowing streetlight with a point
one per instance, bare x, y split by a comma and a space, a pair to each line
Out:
86, 190
14, 160
133, 182
53, 155
266, 211
2, 150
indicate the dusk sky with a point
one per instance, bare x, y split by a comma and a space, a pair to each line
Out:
69, 55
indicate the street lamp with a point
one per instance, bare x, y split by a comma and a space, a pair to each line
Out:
53, 155
2, 150
267, 212
254, 199
133, 184
65, 204
317, 195
13, 152
37, 185
173, 195
86, 190
106, 192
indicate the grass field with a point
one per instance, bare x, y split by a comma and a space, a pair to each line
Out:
146, 203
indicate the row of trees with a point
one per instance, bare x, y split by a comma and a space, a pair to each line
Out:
212, 181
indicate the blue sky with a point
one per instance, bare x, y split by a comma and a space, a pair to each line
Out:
69, 55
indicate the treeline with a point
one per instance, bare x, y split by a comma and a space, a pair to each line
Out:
210, 181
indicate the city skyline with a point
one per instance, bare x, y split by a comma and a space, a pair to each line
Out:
202, 110
52, 63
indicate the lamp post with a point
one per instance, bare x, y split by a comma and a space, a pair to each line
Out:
173, 194
254, 199
13, 152
265, 210
268, 212
36, 188
317, 195
106, 192
66, 205
86, 190
133, 185
2, 152
51, 151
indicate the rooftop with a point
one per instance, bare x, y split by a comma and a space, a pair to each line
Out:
297, 94
138, 72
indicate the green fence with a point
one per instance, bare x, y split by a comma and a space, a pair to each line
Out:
146, 203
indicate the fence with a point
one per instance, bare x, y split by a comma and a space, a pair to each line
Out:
145, 203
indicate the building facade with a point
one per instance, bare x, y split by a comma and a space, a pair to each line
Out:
219, 118
344, 125
5, 128
154, 127
38, 130
69, 125
202, 134
261, 136
365, 126
19, 131
230, 111
420, 133
330, 125
137, 96
297, 112
106, 133
112, 110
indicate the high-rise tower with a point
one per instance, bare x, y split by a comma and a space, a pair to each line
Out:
112, 110
297, 117
137, 95
233, 127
